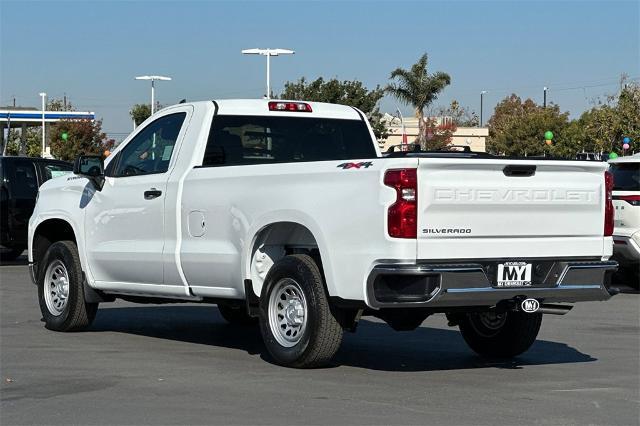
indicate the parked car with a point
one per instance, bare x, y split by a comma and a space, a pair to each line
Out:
626, 202
20, 178
286, 214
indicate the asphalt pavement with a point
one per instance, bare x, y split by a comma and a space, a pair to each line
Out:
182, 364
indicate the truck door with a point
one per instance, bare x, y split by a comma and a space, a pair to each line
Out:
124, 223
22, 183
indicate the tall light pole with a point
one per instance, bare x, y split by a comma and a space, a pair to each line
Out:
268, 53
481, 105
43, 95
544, 99
153, 78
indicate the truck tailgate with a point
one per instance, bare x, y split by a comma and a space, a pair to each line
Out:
482, 208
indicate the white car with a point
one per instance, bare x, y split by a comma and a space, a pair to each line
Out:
285, 213
626, 202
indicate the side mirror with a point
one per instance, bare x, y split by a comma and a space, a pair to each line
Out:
91, 167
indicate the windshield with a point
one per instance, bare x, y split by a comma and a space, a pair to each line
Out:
626, 176
236, 140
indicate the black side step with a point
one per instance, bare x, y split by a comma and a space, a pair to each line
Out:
252, 300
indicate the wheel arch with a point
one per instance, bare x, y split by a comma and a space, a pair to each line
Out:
274, 240
48, 232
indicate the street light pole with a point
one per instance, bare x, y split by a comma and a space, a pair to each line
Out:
481, 105
268, 76
43, 95
268, 53
153, 96
153, 78
544, 99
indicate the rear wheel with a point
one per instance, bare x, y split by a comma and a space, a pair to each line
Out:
504, 334
236, 315
61, 291
297, 325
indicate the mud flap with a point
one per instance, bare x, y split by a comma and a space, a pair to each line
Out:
94, 296
251, 299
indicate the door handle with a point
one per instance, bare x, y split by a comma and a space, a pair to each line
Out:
152, 193
524, 170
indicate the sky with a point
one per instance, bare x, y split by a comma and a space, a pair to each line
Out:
92, 50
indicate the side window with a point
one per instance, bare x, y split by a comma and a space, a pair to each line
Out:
22, 180
109, 170
150, 150
51, 171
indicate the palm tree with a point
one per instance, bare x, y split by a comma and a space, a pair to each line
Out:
417, 88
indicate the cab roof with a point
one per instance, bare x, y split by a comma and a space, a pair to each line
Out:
261, 107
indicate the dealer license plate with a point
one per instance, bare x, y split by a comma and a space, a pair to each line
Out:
514, 274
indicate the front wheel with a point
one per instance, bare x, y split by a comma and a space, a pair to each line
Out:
61, 291
503, 335
297, 325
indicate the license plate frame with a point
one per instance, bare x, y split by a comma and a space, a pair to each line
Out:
514, 274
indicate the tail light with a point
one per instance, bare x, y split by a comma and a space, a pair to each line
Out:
608, 204
402, 219
634, 200
290, 106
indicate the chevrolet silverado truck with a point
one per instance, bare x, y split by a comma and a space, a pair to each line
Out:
286, 214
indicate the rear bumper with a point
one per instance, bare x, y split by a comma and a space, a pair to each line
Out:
468, 284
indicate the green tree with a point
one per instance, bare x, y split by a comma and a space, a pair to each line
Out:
352, 93
55, 104
438, 135
517, 127
140, 112
33, 142
606, 125
572, 139
83, 137
417, 88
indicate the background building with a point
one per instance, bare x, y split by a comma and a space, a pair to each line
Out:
474, 137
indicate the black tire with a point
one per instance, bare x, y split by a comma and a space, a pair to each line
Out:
507, 337
322, 334
11, 254
75, 314
236, 315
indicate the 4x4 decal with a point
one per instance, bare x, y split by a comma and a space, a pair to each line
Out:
364, 164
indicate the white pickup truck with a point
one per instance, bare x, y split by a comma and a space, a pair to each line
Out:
286, 214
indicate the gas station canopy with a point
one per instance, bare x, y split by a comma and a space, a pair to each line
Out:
17, 117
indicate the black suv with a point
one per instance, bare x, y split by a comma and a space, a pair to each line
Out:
20, 178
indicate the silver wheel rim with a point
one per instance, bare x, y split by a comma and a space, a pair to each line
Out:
287, 312
56, 287
492, 320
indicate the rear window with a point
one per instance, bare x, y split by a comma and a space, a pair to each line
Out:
237, 140
626, 176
